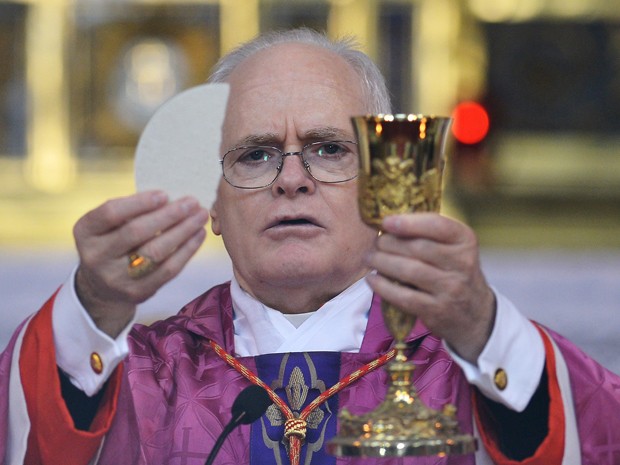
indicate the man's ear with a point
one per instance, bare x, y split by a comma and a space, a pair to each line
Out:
215, 219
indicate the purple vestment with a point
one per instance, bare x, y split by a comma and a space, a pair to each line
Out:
177, 393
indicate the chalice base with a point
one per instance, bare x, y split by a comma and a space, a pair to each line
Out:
401, 426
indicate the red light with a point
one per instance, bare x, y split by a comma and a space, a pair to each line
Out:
471, 122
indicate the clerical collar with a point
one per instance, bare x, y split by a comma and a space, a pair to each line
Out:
339, 325
297, 319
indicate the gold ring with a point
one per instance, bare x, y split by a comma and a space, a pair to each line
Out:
139, 265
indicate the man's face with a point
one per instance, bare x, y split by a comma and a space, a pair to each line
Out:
297, 233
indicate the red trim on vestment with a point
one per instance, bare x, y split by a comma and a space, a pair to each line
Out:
53, 439
551, 450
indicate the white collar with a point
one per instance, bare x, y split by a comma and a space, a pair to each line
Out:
339, 325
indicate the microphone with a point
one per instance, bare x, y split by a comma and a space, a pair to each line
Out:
248, 407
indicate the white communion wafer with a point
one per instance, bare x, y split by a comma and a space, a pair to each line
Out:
178, 151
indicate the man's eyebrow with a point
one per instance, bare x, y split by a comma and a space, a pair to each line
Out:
259, 139
326, 133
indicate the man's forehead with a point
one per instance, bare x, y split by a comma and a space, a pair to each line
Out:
270, 104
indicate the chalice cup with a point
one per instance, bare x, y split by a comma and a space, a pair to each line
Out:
402, 160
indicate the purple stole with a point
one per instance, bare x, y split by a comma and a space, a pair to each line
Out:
297, 378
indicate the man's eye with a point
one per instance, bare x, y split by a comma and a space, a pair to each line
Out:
254, 156
330, 150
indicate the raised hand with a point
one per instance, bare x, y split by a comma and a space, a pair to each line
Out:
428, 265
165, 234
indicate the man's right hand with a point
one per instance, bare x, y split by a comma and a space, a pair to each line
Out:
169, 233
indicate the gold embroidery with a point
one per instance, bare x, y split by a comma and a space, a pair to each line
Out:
297, 388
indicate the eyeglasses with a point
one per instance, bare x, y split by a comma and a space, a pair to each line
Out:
253, 167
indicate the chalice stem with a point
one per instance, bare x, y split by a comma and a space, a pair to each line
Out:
398, 323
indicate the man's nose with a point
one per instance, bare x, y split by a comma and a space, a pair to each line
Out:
293, 177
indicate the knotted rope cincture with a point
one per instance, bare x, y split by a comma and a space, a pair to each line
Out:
295, 426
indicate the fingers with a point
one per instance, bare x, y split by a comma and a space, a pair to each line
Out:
171, 247
163, 230
402, 296
439, 241
406, 270
165, 268
116, 212
423, 225
433, 268
169, 221
428, 265
462, 315
167, 234
125, 224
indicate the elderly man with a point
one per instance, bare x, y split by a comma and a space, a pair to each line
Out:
301, 312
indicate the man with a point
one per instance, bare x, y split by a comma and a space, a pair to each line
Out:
302, 310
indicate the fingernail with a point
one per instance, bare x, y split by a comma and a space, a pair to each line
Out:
189, 204
203, 216
199, 236
160, 198
392, 223
371, 278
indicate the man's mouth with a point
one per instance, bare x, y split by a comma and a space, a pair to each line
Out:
295, 222
290, 221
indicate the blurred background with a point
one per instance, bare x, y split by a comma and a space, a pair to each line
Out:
534, 86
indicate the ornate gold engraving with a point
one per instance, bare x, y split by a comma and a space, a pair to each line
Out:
297, 389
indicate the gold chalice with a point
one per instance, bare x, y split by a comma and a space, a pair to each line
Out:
401, 167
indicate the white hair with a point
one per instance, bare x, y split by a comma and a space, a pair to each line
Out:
373, 82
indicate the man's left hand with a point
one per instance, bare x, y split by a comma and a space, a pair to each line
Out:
428, 265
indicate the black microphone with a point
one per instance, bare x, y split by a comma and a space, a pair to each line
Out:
248, 407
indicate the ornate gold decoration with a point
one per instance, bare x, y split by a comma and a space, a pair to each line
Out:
297, 389
296, 394
401, 166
